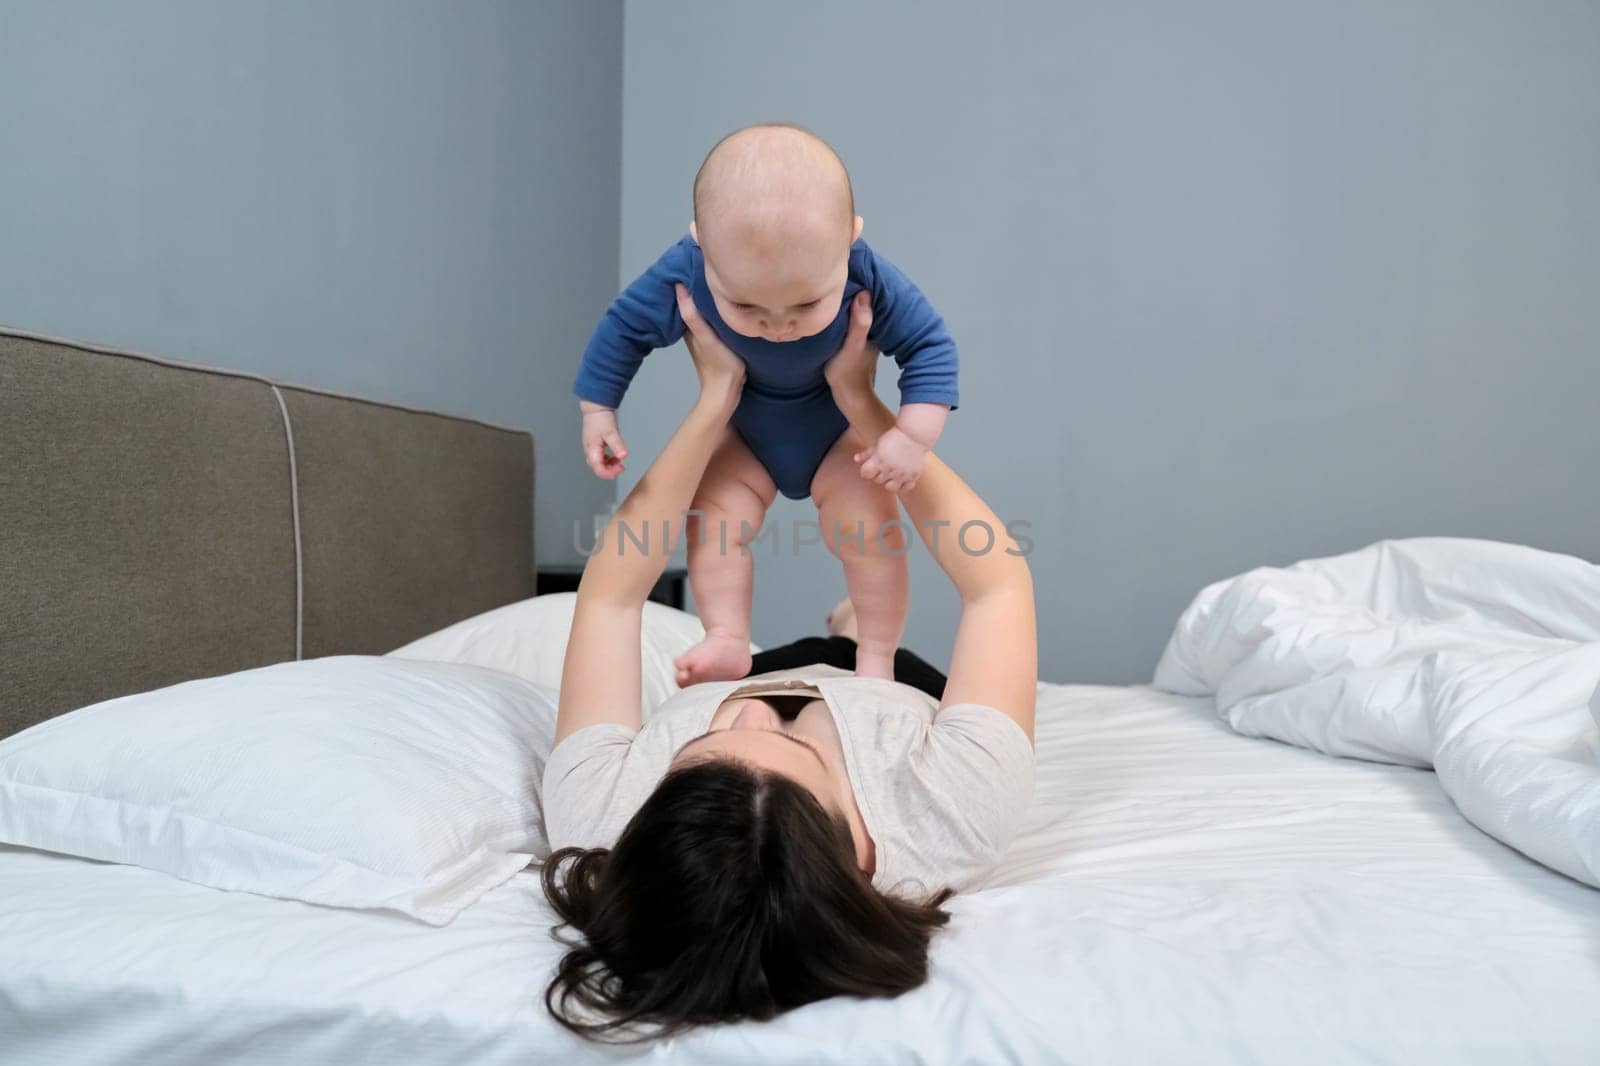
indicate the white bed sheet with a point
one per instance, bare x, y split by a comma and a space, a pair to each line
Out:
1179, 893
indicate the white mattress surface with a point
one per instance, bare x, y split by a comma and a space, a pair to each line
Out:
1179, 894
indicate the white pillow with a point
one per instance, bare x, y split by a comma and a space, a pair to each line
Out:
529, 639
356, 782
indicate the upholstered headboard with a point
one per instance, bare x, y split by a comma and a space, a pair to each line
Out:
161, 522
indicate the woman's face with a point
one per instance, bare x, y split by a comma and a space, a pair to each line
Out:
805, 749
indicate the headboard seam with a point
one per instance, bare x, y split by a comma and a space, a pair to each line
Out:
294, 509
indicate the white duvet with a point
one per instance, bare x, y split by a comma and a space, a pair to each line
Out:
1478, 659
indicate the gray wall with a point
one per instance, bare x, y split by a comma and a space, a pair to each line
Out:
413, 201
1235, 283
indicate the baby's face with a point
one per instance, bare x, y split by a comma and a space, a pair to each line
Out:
778, 292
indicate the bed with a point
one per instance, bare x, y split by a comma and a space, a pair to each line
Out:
1179, 892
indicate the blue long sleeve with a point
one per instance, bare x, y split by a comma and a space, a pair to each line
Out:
905, 326
641, 319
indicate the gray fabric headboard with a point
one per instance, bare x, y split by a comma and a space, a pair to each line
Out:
161, 522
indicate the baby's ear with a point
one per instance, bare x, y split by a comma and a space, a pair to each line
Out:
694, 234
853, 237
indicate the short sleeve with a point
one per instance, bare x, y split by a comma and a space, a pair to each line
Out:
970, 784
581, 784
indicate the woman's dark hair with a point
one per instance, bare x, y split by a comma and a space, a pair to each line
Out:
731, 894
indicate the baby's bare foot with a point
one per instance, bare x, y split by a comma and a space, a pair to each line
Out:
719, 657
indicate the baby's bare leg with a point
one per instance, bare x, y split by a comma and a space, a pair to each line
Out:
733, 496
853, 512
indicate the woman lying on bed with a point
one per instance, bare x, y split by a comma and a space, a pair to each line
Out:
760, 844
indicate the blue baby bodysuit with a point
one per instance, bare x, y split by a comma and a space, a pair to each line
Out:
786, 414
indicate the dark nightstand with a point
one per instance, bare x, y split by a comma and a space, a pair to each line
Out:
564, 578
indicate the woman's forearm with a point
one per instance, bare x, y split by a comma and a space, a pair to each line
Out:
979, 559
964, 536
867, 414
636, 545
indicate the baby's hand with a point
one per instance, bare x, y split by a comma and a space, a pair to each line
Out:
895, 461
603, 449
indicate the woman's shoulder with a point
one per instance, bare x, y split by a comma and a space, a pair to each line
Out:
582, 779
597, 777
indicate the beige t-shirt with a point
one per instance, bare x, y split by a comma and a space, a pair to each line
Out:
941, 792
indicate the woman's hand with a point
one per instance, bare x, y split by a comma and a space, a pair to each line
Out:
850, 372
721, 372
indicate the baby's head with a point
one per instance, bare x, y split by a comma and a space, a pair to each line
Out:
775, 217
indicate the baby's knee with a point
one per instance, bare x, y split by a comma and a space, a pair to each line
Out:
729, 516
866, 530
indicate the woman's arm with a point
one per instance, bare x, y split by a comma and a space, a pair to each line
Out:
996, 658
600, 681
